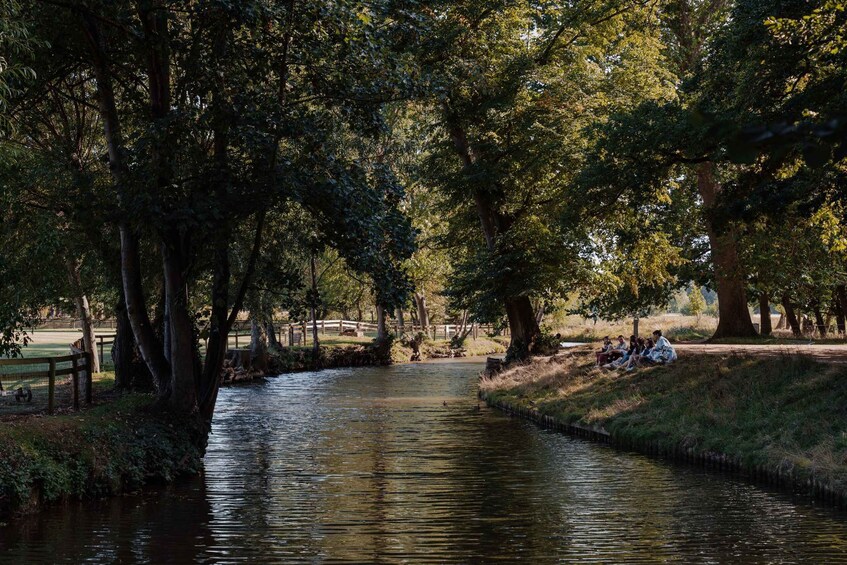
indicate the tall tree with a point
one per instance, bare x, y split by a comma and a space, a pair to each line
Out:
198, 149
513, 86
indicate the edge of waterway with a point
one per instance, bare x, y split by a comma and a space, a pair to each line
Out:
548, 409
119, 446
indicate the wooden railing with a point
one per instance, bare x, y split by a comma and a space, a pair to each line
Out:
79, 362
292, 334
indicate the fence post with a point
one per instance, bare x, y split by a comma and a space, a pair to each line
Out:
340, 327
51, 387
100, 343
236, 339
290, 336
75, 376
89, 379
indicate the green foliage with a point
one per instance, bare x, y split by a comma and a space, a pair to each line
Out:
113, 448
696, 302
16, 44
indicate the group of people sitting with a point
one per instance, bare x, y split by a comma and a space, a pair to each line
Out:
656, 350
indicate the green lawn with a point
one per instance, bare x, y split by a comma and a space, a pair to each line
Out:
785, 411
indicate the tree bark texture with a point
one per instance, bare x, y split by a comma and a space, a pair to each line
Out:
258, 346
381, 331
131, 372
820, 324
733, 313
83, 312
765, 328
522, 325
180, 325
316, 344
791, 316
841, 307
273, 340
136, 309
423, 315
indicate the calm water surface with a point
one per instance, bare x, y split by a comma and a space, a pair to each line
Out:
369, 465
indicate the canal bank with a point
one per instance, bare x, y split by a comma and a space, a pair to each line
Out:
125, 443
777, 419
394, 351
398, 465
119, 446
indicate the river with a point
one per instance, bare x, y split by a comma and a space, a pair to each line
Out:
398, 464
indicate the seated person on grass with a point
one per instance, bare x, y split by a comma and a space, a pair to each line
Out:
613, 353
604, 351
619, 350
623, 359
662, 353
644, 349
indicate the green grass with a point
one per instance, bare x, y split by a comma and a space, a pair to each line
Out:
437, 348
784, 411
116, 446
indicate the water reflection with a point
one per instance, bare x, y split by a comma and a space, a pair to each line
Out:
368, 465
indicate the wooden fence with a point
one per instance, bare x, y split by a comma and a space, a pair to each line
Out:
80, 362
299, 334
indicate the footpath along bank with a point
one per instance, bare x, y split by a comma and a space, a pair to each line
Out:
779, 418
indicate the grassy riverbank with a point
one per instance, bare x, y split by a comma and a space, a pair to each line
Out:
114, 447
785, 414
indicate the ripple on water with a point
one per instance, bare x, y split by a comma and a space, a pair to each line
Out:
365, 465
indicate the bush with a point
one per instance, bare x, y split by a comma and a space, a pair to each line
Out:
113, 448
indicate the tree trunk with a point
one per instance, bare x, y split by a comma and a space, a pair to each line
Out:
136, 308
423, 315
635, 322
219, 325
401, 320
820, 325
83, 310
316, 345
165, 322
780, 324
840, 307
273, 341
381, 331
791, 316
258, 346
131, 372
522, 326
733, 313
765, 328
539, 312
180, 326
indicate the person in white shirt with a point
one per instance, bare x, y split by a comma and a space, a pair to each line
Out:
663, 352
